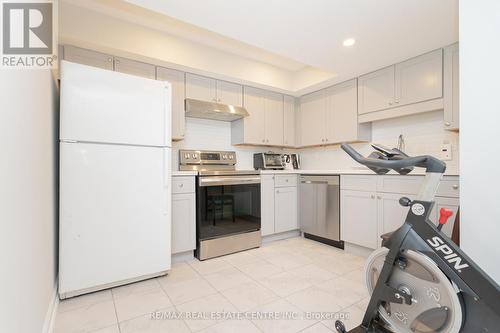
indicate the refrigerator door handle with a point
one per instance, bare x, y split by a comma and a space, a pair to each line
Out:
168, 114
166, 168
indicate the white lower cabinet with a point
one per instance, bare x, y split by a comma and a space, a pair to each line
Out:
267, 205
358, 218
285, 209
278, 204
391, 215
183, 215
367, 214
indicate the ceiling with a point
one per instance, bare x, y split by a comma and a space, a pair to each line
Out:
311, 32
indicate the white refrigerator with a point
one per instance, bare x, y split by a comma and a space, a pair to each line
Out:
115, 176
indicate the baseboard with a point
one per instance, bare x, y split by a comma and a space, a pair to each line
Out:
74, 293
280, 236
357, 250
50, 317
182, 256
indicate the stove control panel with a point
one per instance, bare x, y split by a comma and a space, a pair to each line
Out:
202, 157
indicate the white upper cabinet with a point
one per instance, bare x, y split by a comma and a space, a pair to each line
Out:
274, 119
312, 118
88, 57
451, 87
229, 93
252, 127
201, 88
289, 115
342, 114
376, 90
211, 90
330, 116
133, 67
176, 79
412, 86
264, 125
419, 79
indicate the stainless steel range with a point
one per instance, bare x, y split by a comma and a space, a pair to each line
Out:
228, 212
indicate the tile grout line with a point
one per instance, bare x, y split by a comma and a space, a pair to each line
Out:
172, 302
116, 312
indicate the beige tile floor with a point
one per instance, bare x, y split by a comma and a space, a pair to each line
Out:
300, 282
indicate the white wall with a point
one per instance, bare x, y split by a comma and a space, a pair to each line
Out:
479, 122
28, 199
423, 134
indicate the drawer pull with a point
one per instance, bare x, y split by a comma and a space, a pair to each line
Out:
181, 185
455, 187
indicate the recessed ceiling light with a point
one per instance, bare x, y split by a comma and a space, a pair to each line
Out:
349, 42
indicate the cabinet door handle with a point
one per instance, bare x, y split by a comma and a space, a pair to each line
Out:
181, 185
390, 103
455, 187
447, 124
397, 101
326, 139
372, 196
379, 197
110, 59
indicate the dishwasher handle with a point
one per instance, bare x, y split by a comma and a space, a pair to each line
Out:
314, 182
321, 180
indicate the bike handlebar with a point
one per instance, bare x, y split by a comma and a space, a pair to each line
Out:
430, 163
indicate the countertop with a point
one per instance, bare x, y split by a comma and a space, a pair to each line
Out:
358, 171
184, 173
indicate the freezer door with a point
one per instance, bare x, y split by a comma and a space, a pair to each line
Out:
99, 105
114, 214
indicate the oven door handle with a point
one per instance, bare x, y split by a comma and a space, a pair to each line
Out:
236, 180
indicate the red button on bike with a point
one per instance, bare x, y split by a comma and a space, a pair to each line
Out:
444, 215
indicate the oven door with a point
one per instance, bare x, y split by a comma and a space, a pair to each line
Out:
227, 205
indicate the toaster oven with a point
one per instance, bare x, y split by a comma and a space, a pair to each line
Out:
268, 161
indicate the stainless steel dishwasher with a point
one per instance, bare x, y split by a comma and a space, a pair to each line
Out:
320, 209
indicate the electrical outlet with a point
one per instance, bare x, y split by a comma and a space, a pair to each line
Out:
446, 152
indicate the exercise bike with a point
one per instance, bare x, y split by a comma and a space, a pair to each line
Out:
419, 280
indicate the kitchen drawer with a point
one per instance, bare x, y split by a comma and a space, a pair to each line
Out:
449, 187
366, 183
399, 184
285, 180
182, 184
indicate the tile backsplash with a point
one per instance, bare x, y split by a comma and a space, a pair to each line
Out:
205, 134
423, 133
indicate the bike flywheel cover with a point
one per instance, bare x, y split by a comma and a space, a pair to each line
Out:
435, 307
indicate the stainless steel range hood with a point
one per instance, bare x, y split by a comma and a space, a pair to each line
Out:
216, 111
